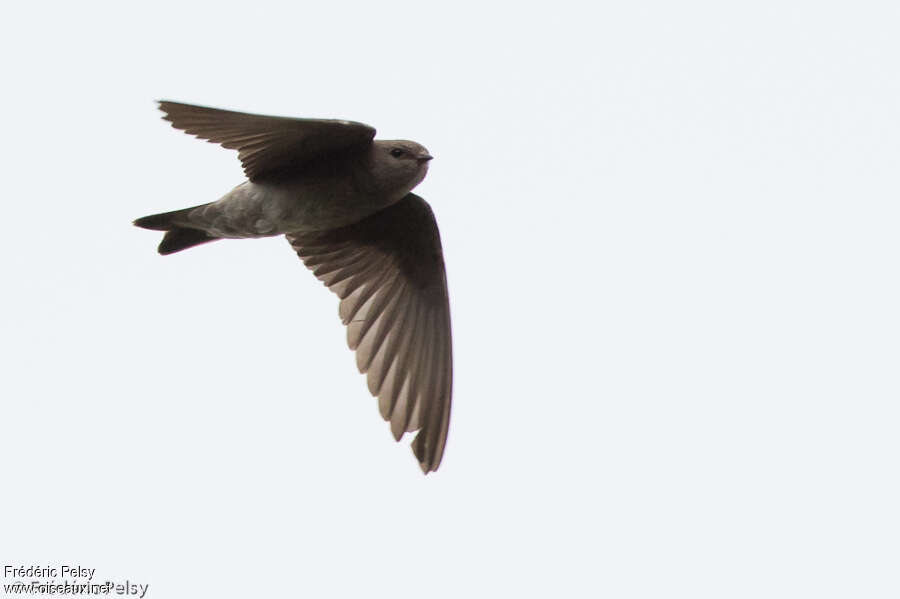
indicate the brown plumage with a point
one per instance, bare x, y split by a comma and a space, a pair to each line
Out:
388, 270
342, 200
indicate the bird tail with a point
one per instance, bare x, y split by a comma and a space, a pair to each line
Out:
178, 237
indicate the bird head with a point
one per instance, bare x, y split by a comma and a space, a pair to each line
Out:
400, 164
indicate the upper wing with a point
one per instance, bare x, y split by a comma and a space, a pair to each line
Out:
388, 270
267, 144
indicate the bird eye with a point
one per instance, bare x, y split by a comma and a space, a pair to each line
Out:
396, 152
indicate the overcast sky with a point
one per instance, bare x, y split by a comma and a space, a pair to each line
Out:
671, 241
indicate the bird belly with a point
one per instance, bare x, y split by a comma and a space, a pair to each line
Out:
265, 209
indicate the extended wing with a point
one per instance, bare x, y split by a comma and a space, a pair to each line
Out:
388, 270
268, 144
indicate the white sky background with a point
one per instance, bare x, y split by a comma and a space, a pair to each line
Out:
671, 240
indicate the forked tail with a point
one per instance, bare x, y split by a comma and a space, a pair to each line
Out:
178, 236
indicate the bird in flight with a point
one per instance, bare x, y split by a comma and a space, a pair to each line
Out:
342, 199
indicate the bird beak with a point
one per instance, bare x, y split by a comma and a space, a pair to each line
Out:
424, 157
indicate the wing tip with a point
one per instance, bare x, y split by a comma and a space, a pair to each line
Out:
428, 463
165, 106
